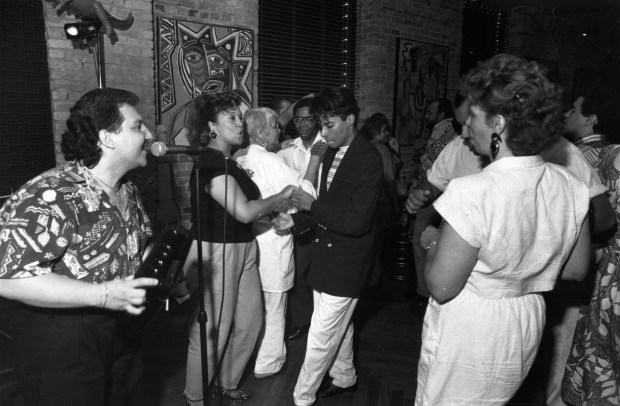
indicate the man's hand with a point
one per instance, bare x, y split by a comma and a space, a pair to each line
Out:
301, 199
128, 295
318, 149
418, 199
287, 144
282, 223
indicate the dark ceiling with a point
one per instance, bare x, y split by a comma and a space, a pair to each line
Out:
605, 6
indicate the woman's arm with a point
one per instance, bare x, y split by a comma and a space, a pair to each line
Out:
237, 204
449, 262
578, 263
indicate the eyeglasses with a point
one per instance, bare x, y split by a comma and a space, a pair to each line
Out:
307, 120
275, 125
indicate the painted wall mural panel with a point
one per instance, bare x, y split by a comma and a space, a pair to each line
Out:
195, 58
421, 77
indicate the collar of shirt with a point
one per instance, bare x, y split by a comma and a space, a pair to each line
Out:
590, 139
512, 162
299, 143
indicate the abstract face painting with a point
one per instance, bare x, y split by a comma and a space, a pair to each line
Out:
196, 58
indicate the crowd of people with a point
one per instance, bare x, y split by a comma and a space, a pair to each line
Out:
514, 231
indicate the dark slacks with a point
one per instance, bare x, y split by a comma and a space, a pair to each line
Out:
300, 301
75, 357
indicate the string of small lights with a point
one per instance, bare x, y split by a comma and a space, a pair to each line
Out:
345, 42
500, 15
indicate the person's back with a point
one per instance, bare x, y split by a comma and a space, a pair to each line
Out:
521, 213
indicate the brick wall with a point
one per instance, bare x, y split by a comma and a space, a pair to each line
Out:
128, 65
381, 22
536, 34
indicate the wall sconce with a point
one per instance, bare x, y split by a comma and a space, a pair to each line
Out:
83, 32
87, 34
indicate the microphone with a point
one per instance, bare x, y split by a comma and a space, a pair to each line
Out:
160, 149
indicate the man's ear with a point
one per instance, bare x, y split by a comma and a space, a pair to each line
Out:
350, 120
592, 120
105, 138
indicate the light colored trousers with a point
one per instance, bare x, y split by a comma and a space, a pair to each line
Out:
240, 303
271, 350
563, 333
330, 347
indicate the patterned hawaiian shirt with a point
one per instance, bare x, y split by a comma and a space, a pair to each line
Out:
63, 222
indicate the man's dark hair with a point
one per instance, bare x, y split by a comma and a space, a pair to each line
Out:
277, 101
335, 101
96, 110
305, 102
459, 98
373, 124
604, 103
444, 106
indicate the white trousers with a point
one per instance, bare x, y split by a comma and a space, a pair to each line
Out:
330, 347
563, 333
271, 350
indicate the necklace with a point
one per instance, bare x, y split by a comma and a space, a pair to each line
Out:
115, 189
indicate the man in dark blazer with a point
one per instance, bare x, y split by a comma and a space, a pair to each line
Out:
344, 243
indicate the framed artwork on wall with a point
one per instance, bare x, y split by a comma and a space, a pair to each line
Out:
195, 58
421, 76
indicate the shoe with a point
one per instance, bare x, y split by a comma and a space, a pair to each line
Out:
331, 390
266, 375
235, 395
295, 333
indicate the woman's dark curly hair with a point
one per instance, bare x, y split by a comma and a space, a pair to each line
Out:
207, 107
519, 91
97, 110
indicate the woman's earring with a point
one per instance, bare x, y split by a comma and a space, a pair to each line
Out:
495, 141
213, 135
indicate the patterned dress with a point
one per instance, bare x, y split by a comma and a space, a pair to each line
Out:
593, 367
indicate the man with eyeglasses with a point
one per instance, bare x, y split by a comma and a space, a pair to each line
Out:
297, 156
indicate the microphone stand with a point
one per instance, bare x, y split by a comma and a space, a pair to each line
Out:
202, 314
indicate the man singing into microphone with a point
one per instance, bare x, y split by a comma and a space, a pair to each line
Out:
70, 241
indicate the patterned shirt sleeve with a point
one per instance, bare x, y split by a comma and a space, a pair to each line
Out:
36, 229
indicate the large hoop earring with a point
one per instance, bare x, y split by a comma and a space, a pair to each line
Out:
495, 141
213, 135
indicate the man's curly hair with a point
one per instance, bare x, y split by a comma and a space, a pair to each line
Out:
96, 110
519, 91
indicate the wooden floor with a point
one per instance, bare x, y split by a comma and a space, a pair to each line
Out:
388, 331
387, 346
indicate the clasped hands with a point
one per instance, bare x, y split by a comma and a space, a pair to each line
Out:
299, 198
